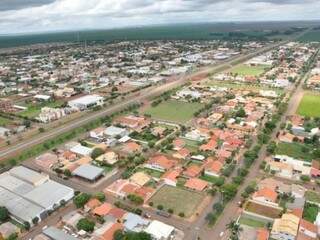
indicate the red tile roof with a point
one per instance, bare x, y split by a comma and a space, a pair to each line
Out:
196, 184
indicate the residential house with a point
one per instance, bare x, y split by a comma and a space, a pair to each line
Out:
286, 227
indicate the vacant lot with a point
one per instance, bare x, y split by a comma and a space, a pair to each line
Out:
245, 70
177, 199
295, 150
251, 222
309, 105
313, 196
263, 210
174, 111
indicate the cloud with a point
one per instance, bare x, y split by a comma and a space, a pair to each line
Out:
7, 5
44, 15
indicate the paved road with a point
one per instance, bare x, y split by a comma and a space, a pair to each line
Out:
13, 150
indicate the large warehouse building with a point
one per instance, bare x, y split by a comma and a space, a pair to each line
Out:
28, 194
87, 101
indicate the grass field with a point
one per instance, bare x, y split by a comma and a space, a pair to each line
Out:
245, 70
313, 196
251, 222
295, 150
309, 105
172, 198
174, 111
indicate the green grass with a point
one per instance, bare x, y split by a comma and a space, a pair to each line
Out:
174, 111
245, 70
309, 105
4, 121
310, 212
192, 146
312, 196
295, 150
33, 110
210, 179
251, 222
178, 199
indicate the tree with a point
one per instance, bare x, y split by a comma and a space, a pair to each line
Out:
100, 196
81, 200
229, 191
4, 214
121, 235
97, 152
305, 178
135, 199
86, 225
35, 220
271, 148
26, 225
234, 228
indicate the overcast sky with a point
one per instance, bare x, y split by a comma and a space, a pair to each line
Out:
18, 16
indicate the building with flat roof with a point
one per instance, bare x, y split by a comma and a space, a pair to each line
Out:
86, 102
88, 172
159, 230
28, 194
56, 234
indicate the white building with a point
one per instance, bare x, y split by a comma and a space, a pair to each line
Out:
159, 230
85, 102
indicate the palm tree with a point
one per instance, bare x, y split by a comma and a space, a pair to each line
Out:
235, 229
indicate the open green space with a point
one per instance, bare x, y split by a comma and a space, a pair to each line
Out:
191, 145
309, 105
296, 150
172, 198
245, 70
310, 212
174, 111
4, 121
312, 196
312, 36
251, 222
33, 110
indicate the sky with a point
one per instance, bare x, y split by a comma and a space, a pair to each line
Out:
21, 16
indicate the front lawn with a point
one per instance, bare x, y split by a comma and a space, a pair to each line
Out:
4, 121
174, 111
295, 150
151, 172
178, 199
245, 70
309, 105
251, 222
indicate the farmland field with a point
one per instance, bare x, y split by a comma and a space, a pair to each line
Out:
174, 111
245, 70
172, 197
309, 105
312, 36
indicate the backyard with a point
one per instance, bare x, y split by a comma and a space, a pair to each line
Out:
245, 70
310, 212
263, 210
309, 105
172, 197
174, 111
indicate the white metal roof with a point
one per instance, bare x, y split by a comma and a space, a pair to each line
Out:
159, 230
88, 171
